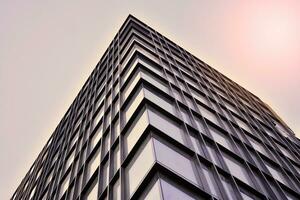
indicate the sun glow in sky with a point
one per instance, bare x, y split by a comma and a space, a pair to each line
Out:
269, 32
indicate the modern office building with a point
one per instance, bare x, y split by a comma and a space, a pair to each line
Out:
154, 122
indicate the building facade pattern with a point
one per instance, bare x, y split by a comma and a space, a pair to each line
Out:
154, 122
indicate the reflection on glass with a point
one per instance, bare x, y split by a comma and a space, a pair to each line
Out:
257, 146
131, 85
93, 165
208, 114
129, 70
79, 184
64, 186
106, 144
70, 160
199, 96
275, 173
166, 125
154, 192
133, 104
196, 144
242, 124
117, 190
228, 188
160, 101
116, 106
92, 192
212, 153
200, 125
246, 196
105, 175
237, 169
156, 82
116, 159
152, 67
286, 152
139, 166
107, 119
134, 133
175, 161
220, 138
99, 116
190, 102
185, 116
116, 129
96, 137
171, 192
210, 181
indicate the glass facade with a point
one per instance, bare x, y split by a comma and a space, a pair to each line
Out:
154, 122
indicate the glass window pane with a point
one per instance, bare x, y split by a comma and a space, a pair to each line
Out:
108, 100
64, 186
70, 159
208, 114
276, 173
237, 169
196, 144
154, 193
166, 125
210, 179
116, 129
93, 165
290, 196
190, 102
79, 184
92, 192
160, 101
261, 184
230, 107
33, 192
257, 146
131, 85
228, 188
177, 95
96, 137
105, 175
134, 133
221, 138
133, 104
139, 166
129, 70
106, 144
242, 124
212, 153
246, 196
116, 106
286, 152
154, 81
199, 96
185, 116
175, 161
107, 119
171, 192
117, 190
152, 67
99, 116
49, 178
200, 125
116, 159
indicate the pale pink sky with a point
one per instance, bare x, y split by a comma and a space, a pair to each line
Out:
48, 49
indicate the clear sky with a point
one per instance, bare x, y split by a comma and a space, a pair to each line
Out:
49, 48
